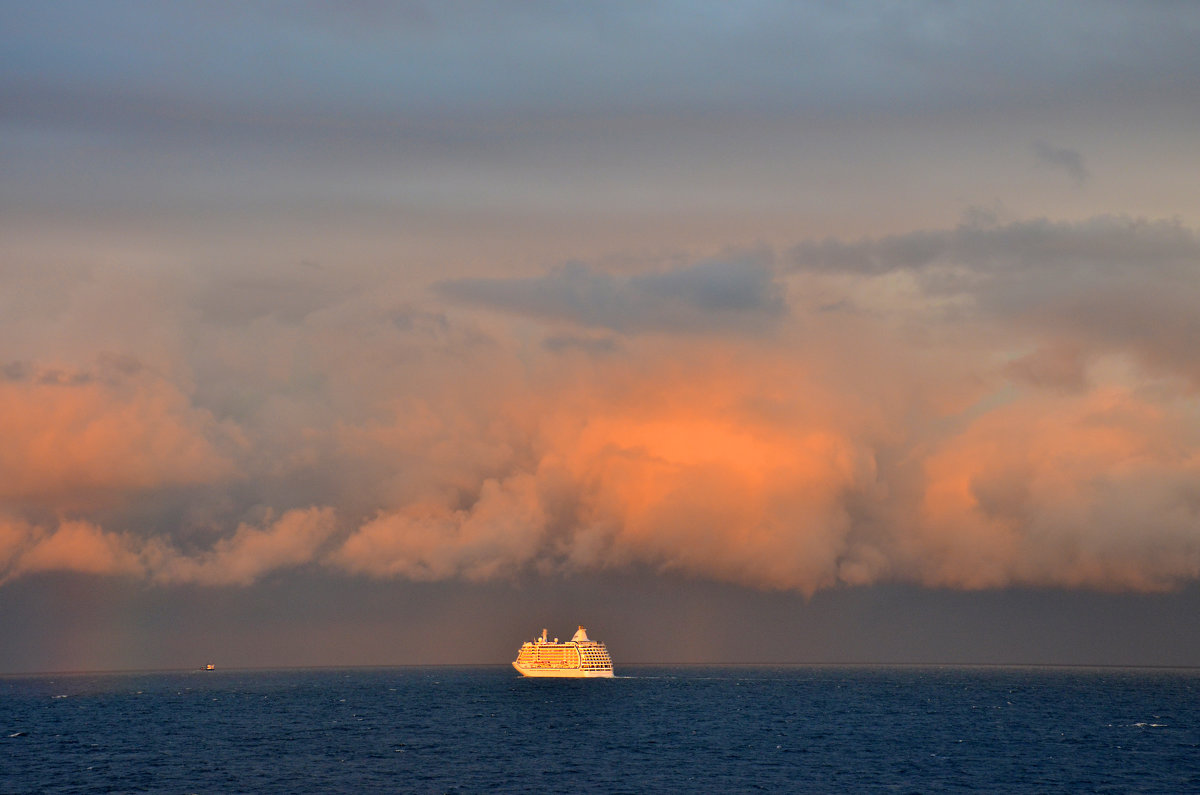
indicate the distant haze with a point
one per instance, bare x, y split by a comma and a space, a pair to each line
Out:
774, 332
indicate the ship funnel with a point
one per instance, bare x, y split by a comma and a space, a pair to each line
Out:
580, 635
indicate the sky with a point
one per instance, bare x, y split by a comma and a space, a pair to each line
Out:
389, 333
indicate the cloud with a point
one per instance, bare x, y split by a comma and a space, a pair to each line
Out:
385, 59
1100, 244
1098, 490
698, 298
1103, 285
292, 540
316, 316
72, 546
81, 546
286, 293
1066, 160
986, 406
499, 534
645, 482
1089, 487
1061, 366
80, 437
562, 343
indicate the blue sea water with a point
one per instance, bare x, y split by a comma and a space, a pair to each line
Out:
652, 729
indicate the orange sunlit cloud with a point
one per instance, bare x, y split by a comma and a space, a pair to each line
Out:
71, 440
1091, 490
929, 423
290, 541
72, 546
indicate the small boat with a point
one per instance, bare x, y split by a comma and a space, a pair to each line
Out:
579, 658
210, 667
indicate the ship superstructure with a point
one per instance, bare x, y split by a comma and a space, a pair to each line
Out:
579, 657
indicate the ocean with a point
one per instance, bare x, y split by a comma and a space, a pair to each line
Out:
652, 729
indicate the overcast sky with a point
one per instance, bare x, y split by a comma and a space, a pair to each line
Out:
383, 333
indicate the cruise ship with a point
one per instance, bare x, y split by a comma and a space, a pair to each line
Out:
578, 658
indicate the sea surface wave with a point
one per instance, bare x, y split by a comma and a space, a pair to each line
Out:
651, 729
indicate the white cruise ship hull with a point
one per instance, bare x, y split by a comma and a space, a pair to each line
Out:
565, 673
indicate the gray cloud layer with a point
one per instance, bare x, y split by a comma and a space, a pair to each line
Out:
1105, 284
1068, 160
703, 297
384, 126
839, 58
1099, 244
